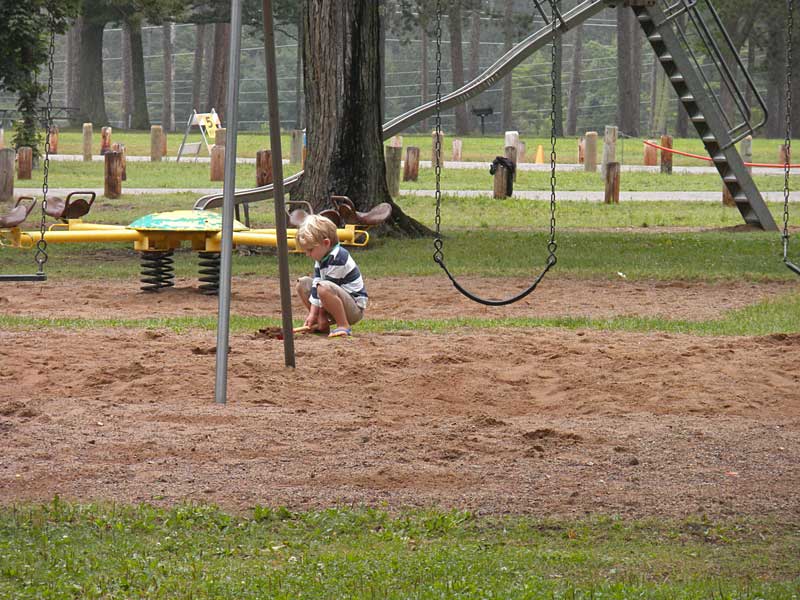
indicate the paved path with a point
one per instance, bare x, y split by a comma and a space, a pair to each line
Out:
450, 165
589, 196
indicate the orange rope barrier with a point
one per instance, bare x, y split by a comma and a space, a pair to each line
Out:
706, 158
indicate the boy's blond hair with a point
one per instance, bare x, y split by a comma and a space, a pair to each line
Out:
314, 230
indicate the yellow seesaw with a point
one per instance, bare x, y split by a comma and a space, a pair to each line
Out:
156, 236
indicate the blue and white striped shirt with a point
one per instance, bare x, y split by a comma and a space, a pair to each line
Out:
339, 267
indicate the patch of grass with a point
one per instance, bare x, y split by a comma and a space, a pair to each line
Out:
67, 551
777, 315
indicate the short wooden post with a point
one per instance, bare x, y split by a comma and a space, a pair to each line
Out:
590, 152
511, 139
784, 154
156, 131
87, 141
650, 155
609, 147
105, 140
220, 135
500, 183
296, 153
7, 156
54, 139
521, 152
666, 157
746, 151
612, 183
163, 142
24, 162
217, 163
393, 155
581, 150
510, 152
437, 160
457, 145
396, 141
117, 147
263, 168
411, 167
112, 187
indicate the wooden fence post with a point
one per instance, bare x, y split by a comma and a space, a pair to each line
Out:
510, 153
590, 155
396, 141
163, 142
437, 159
650, 155
24, 162
612, 183
217, 163
105, 140
156, 131
393, 156
54, 139
500, 183
87, 141
263, 168
521, 152
220, 135
112, 187
296, 153
457, 145
581, 150
7, 174
609, 147
666, 157
411, 167
117, 147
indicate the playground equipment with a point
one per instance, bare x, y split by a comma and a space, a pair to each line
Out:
158, 235
788, 137
690, 42
438, 255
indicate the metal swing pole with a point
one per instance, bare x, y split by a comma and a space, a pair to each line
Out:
228, 190
277, 186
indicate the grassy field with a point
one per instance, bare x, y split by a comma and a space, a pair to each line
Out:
475, 148
67, 551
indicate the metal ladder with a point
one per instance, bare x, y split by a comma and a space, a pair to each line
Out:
689, 39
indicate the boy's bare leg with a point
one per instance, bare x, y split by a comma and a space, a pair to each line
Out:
334, 306
323, 322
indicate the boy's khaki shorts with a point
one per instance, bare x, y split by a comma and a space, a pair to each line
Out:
353, 311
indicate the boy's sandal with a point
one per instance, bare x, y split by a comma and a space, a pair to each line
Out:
340, 332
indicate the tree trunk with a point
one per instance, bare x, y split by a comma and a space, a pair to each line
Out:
508, 34
73, 70
424, 66
575, 82
167, 115
776, 81
219, 69
92, 94
197, 65
559, 97
475, 45
457, 65
629, 72
140, 118
341, 60
127, 77
298, 92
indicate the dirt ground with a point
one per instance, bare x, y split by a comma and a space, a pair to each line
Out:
543, 421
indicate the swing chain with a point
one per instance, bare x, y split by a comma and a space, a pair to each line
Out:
788, 136
41, 244
438, 255
551, 245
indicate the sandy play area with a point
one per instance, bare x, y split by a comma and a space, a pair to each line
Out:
544, 421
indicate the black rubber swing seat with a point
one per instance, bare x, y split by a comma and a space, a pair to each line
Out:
75, 206
17, 215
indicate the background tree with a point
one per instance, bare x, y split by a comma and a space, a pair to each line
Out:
341, 60
629, 70
24, 43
